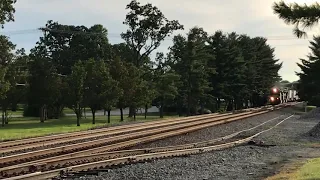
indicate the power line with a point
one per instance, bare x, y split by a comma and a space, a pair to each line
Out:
117, 35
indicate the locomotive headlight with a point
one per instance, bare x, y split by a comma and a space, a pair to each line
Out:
275, 90
272, 98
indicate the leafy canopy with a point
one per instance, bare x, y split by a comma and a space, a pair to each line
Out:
301, 16
6, 11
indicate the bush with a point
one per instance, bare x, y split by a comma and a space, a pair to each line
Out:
315, 101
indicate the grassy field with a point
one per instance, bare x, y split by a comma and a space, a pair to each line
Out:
300, 171
311, 170
29, 127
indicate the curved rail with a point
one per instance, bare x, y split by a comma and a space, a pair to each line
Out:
138, 158
67, 159
29, 141
144, 136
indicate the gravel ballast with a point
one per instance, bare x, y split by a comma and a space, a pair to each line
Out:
291, 138
215, 131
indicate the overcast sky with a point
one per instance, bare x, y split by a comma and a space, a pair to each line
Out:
251, 17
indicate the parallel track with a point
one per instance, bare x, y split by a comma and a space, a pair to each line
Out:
133, 156
43, 164
121, 141
11, 146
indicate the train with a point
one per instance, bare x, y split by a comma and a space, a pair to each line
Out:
279, 96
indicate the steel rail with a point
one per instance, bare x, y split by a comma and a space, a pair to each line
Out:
136, 141
18, 158
138, 158
113, 128
102, 134
79, 133
65, 162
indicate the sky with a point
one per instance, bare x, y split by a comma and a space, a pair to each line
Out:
251, 17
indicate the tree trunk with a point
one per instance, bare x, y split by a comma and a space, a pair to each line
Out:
134, 115
104, 112
93, 116
6, 119
60, 111
188, 105
78, 119
3, 119
202, 108
41, 111
179, 110
161, 110
145, 111
226, 107
45, 112
121, 114
109, 112
78, 115
131, 112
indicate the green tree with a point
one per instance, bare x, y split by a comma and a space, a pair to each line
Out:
246, 69
44, 83
62, 46
301, 16
165, 82
6, 11
309, 83
189, 58
148, 27
6, 49
4, 88
16, 76
66, 44
6, 57
76, 88
101, 91
120, 72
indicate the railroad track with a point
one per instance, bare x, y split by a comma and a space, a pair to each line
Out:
61, 139
105, 160
125, 140
35, 165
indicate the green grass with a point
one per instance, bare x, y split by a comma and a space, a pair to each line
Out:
309, 171
299, 170
310, 108
30, 126
18, 112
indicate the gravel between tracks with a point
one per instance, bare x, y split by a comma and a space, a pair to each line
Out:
213, 132
243, 162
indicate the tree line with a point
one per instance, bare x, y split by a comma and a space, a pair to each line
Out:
76, 67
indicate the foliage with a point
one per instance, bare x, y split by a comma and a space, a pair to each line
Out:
76, 85
301, 16
309, 83
16, 78
147, 24
6, 48
101, 91
6, 56
64, 45
189, 58
166, 81
4, 85
6, 11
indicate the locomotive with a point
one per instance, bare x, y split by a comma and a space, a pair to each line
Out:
275, 96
